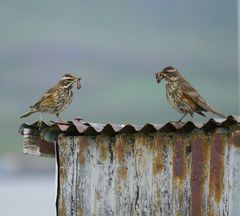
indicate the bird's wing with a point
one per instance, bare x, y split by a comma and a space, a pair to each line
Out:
192, 94
45, 99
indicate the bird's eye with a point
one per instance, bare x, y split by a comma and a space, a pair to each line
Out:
69, 80
65, 82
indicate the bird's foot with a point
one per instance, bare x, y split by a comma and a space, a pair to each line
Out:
177, 122
78, 119
60, 122
39, 124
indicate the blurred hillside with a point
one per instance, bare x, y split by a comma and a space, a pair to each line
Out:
116, 47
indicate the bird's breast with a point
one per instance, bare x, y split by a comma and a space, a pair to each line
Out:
63, 99
174, 96
171, 87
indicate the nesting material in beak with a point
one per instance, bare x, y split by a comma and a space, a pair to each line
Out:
78, 83
158, 76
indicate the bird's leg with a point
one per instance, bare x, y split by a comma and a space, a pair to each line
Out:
40, 121
191, 117
61, 120
180, 120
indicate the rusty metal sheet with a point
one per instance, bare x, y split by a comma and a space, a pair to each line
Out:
218, 174
143, 157
234, 172
158, 173
34, 145
199, 174
181, 175
125, 172
162, 174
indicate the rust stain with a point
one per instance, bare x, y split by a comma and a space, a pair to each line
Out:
62, 139
103, 147
142, 140
138, 147
236, 138
62, 172
82, 146
158, 153
122, 173
61, 161
62, 207
120, 149
98, 194
217, 166
45, 147
211, 213
80, 211
179, 158
198, 178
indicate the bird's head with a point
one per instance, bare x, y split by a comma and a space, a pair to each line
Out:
68, 80
169, 73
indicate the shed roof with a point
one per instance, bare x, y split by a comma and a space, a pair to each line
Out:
80, 127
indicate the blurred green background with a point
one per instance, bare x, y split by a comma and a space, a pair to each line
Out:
116, 47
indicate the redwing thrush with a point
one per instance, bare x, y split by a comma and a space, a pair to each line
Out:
182, 96
57, 98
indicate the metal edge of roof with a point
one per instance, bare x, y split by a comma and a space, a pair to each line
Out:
87, 128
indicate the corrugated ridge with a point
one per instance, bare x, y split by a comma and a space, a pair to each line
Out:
87, 128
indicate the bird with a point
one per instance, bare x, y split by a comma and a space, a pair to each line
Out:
56, 99
182, 96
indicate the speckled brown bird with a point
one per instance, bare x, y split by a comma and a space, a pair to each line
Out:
56, 99
182, 96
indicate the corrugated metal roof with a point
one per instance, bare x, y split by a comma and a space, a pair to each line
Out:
80, 127
87, 128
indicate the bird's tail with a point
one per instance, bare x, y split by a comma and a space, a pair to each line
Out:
28, 114
218, 113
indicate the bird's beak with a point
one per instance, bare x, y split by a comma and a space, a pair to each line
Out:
159, 76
